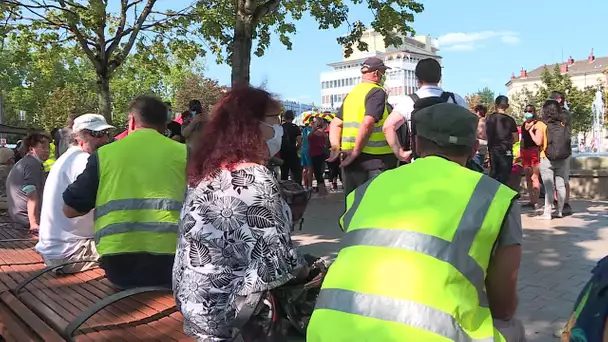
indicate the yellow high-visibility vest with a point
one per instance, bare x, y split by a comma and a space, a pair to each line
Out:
353, 112
48, 164
142, 180
414, 261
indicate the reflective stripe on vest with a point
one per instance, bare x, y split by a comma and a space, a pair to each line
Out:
394, 310
455, 253
353, 114
136, 211
137, 204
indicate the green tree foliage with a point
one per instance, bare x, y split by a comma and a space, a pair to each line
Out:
230, 26
579, 100
484, 97
193, 86
105, 38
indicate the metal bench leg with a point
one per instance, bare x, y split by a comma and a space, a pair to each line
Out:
85, 315
32, 277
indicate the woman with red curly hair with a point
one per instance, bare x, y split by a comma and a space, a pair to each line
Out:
235, 228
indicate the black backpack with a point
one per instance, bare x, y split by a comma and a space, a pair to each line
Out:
407, 133
558, 140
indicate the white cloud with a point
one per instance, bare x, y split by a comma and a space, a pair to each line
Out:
459, 41
512, 40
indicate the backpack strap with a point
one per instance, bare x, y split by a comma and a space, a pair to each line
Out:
414, 97
445, 96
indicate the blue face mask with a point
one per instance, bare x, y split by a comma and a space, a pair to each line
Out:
528, 116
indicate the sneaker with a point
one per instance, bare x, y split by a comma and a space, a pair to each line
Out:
545, 216
567, 211
529, 205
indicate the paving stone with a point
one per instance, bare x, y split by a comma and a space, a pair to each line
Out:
558, 256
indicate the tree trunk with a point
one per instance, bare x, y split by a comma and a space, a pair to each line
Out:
103, 95
241, 50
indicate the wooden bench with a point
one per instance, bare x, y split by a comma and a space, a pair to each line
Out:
84, 307
38, 305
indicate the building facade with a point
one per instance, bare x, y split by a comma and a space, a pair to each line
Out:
584, 73
400, 82
297, 107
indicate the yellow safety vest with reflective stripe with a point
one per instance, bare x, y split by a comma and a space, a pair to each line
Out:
48, 164
353, 112
517, 153
413, 262
142, 179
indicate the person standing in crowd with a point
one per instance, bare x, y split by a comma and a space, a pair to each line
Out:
25, 182
235, 228
7, 160
136, 186
481, 112
555, 158
290, 144
456, 246
307, 173
561, 99
333, 166
530, 153
428, 73
63, 135
501, 131
356, 131
174, 129
62, 239
317, 153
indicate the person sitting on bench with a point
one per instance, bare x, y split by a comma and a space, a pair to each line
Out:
61, 239
136, 186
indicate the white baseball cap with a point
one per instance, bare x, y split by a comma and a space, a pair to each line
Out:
91, 122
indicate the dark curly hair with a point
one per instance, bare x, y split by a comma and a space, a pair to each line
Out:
232, 134
33, 139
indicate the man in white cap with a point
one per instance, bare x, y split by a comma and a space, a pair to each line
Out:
62, 239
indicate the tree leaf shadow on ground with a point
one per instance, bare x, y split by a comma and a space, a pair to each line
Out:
558, 256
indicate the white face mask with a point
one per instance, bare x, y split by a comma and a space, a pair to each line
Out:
274, 144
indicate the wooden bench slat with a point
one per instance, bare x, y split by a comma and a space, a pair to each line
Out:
43, 311
12, 329
47, 334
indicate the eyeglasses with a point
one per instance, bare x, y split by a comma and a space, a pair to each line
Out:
99, 134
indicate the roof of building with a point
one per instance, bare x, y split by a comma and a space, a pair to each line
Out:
575, 67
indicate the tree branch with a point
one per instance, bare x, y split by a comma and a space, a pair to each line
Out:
124, 6
269, 7
115, 63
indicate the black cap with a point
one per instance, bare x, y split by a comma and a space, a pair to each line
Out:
373, 64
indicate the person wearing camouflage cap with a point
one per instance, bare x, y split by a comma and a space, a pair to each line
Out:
431, 250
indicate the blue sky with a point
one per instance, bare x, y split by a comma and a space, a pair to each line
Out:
482, 42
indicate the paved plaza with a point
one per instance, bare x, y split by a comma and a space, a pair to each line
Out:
558, 256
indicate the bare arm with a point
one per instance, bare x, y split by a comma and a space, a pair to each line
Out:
299, 141
501, 282
335, 133
537, 135
33, 202
392, 123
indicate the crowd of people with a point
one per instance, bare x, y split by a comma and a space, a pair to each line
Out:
191, 203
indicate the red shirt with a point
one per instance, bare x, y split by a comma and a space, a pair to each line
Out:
316, 143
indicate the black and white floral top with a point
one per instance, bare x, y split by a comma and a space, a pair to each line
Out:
234, 240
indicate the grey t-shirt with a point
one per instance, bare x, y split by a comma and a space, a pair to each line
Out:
511, 232
26, 174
